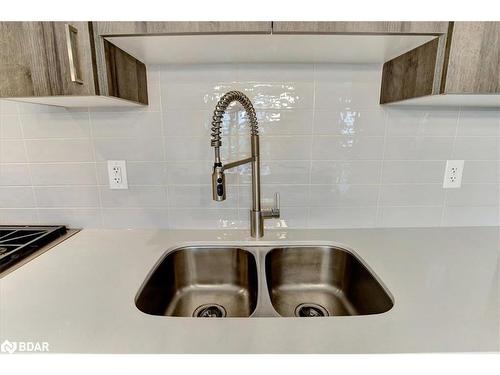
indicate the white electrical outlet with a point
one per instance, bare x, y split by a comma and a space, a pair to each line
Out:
453, 174
117, 174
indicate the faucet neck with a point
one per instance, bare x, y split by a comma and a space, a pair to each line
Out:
255, 173
257, 215
220, 110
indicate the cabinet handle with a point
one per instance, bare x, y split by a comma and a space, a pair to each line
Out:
71, 43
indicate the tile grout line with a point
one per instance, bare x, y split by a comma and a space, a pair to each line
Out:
311, 142
35, 201
164, 170
381, 171
248, 185
445, 199
96, 172
269, 135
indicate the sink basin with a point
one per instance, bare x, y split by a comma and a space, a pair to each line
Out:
261, 281
322, 281
201, 282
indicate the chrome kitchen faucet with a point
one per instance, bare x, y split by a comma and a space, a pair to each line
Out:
257, 215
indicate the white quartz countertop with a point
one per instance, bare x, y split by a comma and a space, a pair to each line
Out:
79, 296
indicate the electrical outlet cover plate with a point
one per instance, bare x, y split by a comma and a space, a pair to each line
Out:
453, 174
117, 174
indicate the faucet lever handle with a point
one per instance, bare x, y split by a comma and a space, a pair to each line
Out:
274, 212
277, 202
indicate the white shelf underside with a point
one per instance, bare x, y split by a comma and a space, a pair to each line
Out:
206, 49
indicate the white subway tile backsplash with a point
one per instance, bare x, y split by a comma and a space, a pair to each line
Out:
345, 172
418, 148
130, 149
10, 127
220, 218
481, 172
192, 123
195, 148
126, 124
63, 174
409, 216
342, 217
57, 150
477, 148
349, 122
280, 96
474, 195
332, 94
348, 73
67, 196
14, 174
354, 95
277, 172
153, 74
56, 125
412, 171
479, 123
337, 157
471, 216
12, 151
347, 148
8, 107
154, 97
284, 148
134, 196
16, 196
344, 195
412, 195
133, 218
279, 122
193, 96
418, 122
18, 216
72, 217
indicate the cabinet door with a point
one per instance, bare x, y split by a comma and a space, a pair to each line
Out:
17, 73
73, 56
138, 28
35, 59
439, 27
474, 58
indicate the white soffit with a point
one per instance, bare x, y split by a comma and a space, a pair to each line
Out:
197, 49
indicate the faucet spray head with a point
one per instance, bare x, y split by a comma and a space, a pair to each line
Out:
218, 183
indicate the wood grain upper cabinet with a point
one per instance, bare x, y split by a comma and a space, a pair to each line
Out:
437, 27
55, 63
464, 61
474, 58
35, 60
165, 28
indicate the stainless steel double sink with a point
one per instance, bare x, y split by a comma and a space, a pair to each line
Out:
261, 281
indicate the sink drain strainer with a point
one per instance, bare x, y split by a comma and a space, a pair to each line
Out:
310, 310
210, 310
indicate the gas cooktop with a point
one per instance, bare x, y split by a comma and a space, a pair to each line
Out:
18, 242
